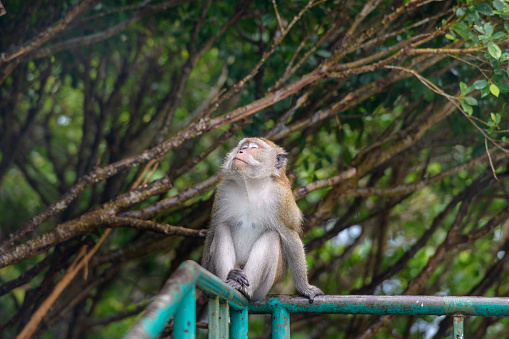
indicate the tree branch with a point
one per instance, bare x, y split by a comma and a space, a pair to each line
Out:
50, 32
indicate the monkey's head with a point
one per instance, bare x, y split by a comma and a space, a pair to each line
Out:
256, 158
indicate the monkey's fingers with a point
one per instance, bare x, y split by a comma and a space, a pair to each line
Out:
238, 287
233, 283
238, 276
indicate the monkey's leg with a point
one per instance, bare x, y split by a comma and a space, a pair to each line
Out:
222, 251
262, 265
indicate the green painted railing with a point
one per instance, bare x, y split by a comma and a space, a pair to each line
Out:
177, 299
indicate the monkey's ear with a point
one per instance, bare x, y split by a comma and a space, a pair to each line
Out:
281, 160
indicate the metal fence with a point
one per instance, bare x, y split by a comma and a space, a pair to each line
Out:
228, 309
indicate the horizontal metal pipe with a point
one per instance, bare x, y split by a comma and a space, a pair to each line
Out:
386, 304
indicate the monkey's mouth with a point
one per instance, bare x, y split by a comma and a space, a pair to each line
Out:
241, 160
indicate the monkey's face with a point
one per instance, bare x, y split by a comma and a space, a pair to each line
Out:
246, 155
256, 158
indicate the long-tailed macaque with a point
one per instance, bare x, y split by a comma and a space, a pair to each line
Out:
254, 232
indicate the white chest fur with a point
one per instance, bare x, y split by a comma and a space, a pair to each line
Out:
249, 208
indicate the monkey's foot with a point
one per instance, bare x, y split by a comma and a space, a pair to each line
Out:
238, 280
311, 292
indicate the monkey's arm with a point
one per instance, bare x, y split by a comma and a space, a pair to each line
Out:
296, 259
205, 257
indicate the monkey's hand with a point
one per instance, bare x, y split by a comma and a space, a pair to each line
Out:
311, 292
238, 280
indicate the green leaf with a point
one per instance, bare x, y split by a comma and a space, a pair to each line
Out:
467, 108
496, 117
460, 12
485, 91
462, 29
488, 28
479, 29
471, 101
502, 86
494, 63
506, 25
498, 35
498, 4
484, 38
473, 17
449, 36
480, 84
507, 70
494, 90
463, 88
494, 50
483, 8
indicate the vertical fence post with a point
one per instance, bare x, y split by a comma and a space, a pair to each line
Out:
213, 317
239, 324
224, 315
184, 322
280, 323
458, 326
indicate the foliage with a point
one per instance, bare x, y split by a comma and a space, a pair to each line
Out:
115, 117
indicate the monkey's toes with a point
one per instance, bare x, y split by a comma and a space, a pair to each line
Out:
311, 292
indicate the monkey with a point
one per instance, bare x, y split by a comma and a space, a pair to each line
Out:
253, 236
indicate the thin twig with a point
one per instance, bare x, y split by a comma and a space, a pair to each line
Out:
489, 158
280, 23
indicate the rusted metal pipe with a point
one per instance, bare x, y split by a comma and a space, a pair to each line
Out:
458, 321
386, 304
